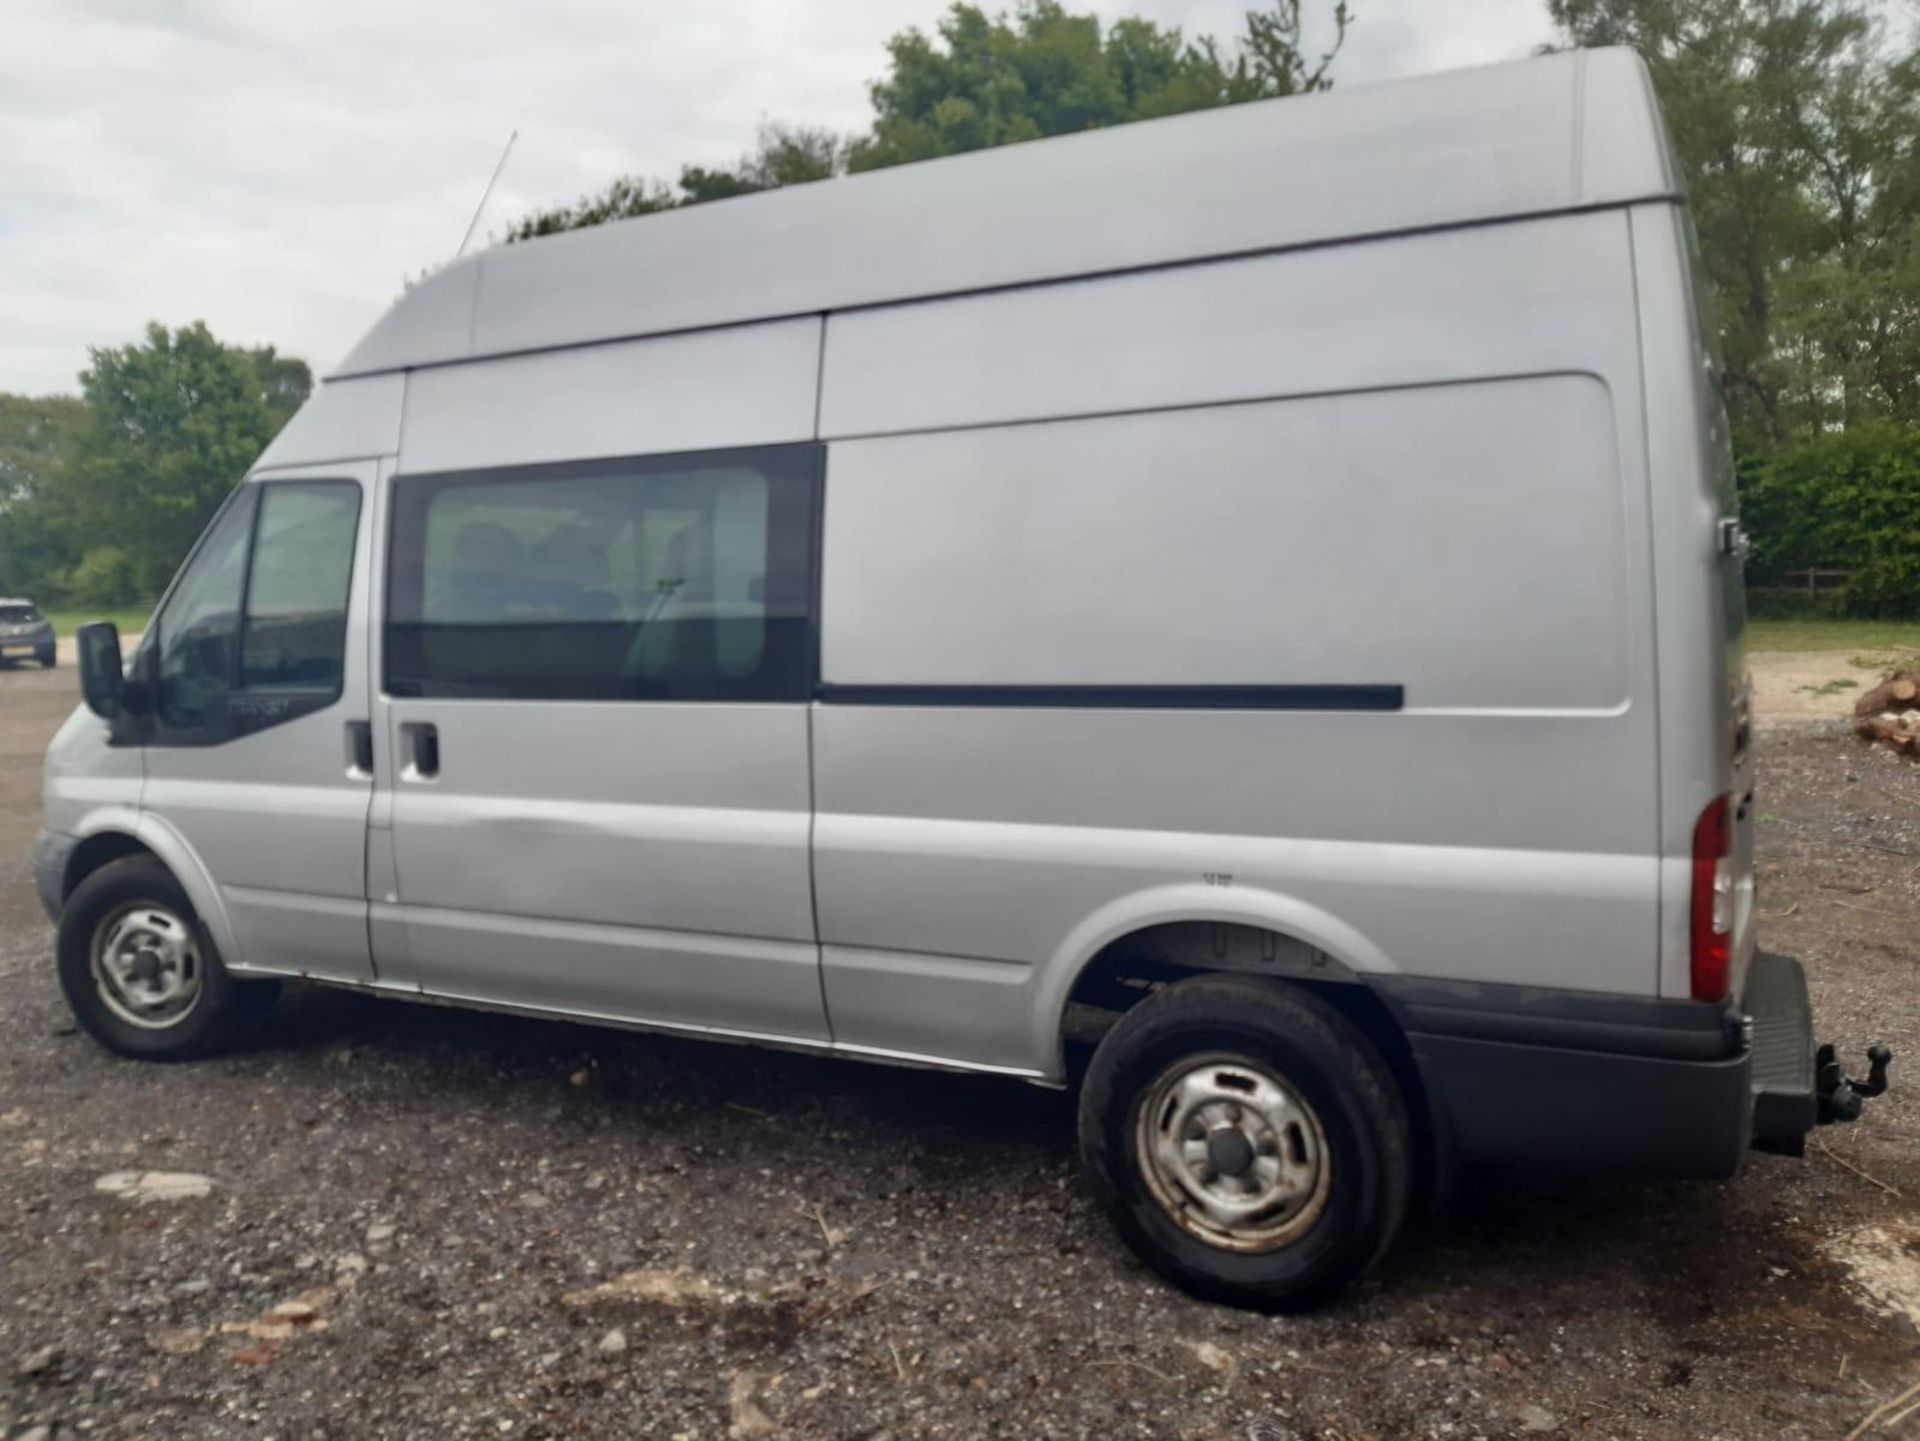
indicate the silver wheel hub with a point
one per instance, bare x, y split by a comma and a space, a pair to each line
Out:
147, 967
1232, 1153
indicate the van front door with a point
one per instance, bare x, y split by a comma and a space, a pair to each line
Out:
256, 749
596, 682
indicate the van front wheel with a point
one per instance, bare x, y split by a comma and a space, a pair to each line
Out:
1247, 1141
140, 971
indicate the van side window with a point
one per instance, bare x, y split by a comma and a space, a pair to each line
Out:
672, 578
255, 632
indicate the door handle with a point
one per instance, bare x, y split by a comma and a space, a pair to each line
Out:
420, 740
360, 750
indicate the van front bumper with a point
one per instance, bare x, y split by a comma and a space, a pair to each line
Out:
1537, 1077
51, 851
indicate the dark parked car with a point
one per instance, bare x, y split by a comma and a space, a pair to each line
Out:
25, 632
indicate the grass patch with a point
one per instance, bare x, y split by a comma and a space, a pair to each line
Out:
132, 619
1881, 638
1832, 687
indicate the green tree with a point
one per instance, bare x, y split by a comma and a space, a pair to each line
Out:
39, 529
105, 576
285, 382
1852, 309
174, 423
993, 80
785, 155
1796, 124
628, 196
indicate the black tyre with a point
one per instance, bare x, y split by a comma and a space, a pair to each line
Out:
1248, 1142
140, 971
48, 658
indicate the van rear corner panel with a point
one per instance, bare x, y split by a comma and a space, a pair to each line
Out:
1071, 661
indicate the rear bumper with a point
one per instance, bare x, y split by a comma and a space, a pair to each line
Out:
1611, 1083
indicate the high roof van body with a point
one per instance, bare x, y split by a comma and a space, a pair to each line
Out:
1240, 612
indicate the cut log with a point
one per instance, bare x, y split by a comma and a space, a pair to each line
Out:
1896, 692
1898, 732
1875, 700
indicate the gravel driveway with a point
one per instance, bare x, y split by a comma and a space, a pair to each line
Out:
422, 1223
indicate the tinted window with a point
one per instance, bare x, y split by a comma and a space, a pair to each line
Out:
201, 618
255, 631
18, 615
674, 578
296, 629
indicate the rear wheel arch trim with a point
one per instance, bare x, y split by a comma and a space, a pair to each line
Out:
1190, 903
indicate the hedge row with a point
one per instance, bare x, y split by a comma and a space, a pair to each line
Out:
1849, 499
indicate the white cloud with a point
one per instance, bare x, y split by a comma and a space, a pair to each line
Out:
278, 167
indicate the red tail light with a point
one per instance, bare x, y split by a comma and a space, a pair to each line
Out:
1712, 921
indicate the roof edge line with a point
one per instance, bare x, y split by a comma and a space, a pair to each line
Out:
1667, 196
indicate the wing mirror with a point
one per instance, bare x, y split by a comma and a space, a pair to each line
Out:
103, 676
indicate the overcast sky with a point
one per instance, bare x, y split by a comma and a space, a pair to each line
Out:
277, 167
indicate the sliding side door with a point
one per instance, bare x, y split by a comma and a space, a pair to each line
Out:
597, 677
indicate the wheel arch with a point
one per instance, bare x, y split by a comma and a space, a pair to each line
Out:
1312, 939
1120, 954
117, 833
101, 848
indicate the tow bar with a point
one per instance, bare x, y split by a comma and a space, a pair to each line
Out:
1840, 1097
1796, 1085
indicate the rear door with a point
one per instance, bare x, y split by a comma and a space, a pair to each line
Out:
257, 746
596, 682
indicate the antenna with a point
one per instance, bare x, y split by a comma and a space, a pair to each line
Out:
466, 239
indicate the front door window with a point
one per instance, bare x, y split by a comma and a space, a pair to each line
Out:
254, 634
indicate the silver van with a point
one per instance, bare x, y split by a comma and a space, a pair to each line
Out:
1240, 612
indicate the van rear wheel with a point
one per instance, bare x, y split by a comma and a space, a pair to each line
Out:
140, 972
1248, 1142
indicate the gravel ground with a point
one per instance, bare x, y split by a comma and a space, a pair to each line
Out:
424, 1223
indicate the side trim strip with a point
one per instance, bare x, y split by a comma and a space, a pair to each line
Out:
394, 990
1125, 697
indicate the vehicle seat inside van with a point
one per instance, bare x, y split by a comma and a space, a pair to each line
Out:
675, 639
